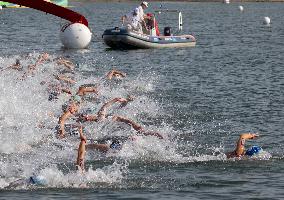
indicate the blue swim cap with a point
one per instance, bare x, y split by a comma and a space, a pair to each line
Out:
37, 180
115, 145
253, 150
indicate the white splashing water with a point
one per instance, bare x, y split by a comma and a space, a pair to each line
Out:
29, 146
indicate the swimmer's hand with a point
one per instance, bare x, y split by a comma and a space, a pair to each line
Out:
80, 169
61, 134
254, 135
247, 136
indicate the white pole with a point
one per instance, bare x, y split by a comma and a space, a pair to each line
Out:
179, 21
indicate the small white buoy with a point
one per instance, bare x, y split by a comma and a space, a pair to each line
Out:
266, 20
241, 8
226, 1
75, 36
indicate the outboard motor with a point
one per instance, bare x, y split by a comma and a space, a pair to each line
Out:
167, 31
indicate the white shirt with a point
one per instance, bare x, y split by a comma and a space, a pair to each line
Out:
135, 21
140, 14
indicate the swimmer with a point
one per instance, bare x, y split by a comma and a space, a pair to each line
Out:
83, 146
32, 180
73, 107
31, 68
71, 110
115, 73
66, 63
61, 84
87, 88
102, 113
16, 66
240, 148
115, 144
65, 79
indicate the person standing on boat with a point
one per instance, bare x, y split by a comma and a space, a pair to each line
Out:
141, 16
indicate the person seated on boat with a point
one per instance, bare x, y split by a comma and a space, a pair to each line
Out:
126, 19
135, 25
152, 25
131, 21
240, 148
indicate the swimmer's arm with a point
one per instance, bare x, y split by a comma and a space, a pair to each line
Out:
81, 155
64, 78
102, 112
158, 135
83, 90
249, 135
81, 150
68, 64
88, 117
134, 125
14, 66
67, 91
114, 73
61, 122
240, 149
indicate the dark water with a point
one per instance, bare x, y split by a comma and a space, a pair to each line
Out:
201, 97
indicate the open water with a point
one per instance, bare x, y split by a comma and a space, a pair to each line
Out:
199, 98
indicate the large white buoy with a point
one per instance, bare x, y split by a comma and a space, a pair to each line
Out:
241, 8
75, 36
266, 20
0, 7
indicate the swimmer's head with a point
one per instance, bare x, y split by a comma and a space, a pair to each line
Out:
37, 180
130, 98
18, 62
253, 150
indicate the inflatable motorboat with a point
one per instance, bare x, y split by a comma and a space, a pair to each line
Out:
127, 38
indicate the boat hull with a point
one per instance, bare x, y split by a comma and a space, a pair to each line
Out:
121, 38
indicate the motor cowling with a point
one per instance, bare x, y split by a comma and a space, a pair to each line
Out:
167, 31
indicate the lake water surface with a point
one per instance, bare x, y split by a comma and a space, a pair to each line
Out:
199, 98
